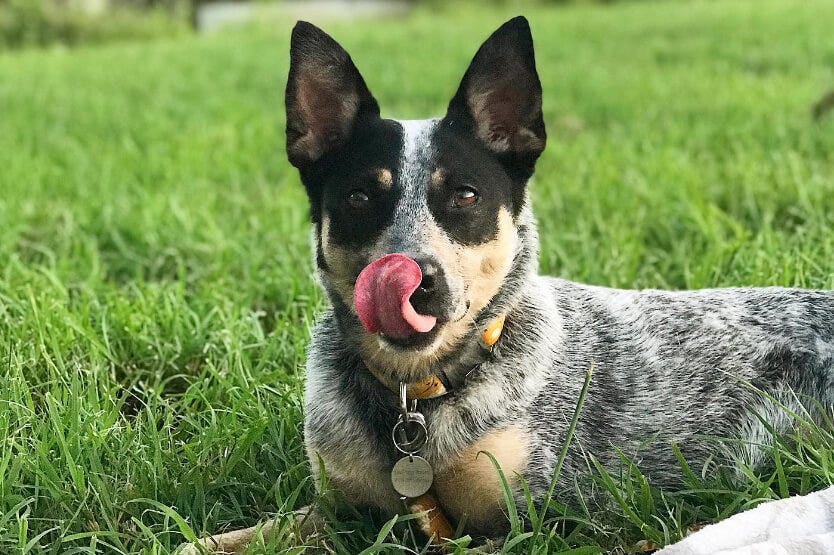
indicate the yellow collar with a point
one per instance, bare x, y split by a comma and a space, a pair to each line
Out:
433, 386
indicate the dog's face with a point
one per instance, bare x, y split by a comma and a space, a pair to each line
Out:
442, 194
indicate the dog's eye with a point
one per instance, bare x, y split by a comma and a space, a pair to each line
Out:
465, 197
358, 199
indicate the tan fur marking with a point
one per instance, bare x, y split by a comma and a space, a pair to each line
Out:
481, 268
433, 522
306, 529
396, 365
338, 263
229, 542
384, 178
470, 487
438, 176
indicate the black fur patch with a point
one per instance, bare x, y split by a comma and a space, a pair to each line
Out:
467, 163
375, 143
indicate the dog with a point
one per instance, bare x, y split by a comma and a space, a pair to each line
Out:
426, 245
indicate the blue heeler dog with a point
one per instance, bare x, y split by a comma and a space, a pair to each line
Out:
424, 238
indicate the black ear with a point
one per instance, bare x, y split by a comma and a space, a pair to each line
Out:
500, 97
325, 95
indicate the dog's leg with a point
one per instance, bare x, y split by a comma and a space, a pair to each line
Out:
308, 521
230, 542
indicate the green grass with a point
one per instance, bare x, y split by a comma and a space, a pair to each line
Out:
27, 23
156, 288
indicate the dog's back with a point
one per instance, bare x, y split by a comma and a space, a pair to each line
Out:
681, 367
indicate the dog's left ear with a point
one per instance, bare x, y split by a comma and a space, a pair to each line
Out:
500, 97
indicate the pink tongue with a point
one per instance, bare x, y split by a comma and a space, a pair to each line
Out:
382, 294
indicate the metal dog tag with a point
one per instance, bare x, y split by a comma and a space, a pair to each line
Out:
412, 476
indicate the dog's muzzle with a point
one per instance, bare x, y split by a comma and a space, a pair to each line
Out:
393, 293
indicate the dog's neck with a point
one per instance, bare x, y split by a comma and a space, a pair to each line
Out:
439, 383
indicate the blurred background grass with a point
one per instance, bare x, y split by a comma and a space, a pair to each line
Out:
155, 278
27, 23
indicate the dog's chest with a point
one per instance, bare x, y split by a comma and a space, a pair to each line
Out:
466, 481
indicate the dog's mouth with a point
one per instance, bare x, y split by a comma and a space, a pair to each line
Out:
382, 297
422, 341
413, 342
390, 301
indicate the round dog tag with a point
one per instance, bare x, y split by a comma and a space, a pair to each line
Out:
412, 476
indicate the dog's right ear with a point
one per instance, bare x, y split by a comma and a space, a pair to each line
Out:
325, 95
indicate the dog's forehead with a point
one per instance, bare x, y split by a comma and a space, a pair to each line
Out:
418, 151
412, 168
404, 147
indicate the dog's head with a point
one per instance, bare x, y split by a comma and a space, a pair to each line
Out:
415, 222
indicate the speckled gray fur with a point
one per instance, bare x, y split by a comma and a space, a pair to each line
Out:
668, 367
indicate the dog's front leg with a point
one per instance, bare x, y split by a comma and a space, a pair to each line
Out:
308, 522
229, 542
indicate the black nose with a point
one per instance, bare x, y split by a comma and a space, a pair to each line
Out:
432, 296
430, 271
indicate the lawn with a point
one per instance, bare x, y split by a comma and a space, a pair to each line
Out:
156, 284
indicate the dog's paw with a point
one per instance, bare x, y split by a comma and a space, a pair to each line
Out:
229, 542
307, 525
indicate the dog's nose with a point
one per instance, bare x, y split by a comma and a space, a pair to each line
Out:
432, 296
430, 269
